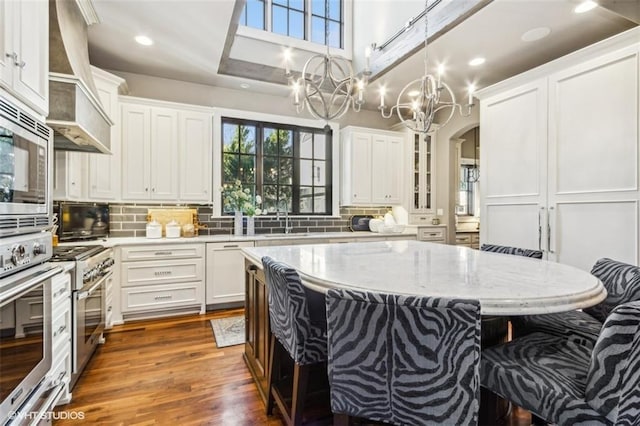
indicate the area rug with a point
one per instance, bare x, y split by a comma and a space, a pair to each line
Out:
228, 331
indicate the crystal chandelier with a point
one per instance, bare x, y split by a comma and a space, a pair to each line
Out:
327, 86
420, 100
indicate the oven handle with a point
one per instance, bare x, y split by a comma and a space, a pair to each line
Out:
25, 285
84, 294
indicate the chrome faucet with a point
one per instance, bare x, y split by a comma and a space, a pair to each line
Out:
287, 228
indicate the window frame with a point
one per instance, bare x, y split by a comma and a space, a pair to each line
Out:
329, 159
265, 35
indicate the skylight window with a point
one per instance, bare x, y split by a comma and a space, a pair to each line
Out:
318, 21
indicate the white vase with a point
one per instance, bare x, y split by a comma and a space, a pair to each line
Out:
251, 225
237, 223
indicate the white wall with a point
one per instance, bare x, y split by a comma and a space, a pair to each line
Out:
374, 21
145, 86
445, 161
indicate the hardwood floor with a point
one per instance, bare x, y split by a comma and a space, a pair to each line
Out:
171, 372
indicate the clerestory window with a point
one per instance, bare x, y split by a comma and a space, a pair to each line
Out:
318, 21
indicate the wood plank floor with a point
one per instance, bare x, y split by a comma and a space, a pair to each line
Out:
170, 372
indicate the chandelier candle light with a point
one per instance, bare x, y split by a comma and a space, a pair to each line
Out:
420, 100
327, 86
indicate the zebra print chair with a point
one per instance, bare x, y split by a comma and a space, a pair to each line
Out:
568, 383
294, 331
622, 282
403, 360
536, 254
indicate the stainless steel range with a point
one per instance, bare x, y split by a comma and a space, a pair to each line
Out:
93, 269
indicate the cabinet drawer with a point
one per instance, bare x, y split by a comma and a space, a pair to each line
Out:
158, 252
61, 332
431, 234
61, 368
151, 273
159, 297
463, 239
475, 238
60, 289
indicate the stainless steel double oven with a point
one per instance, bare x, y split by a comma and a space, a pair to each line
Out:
25, 275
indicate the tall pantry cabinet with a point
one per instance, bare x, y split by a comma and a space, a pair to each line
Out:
560, 156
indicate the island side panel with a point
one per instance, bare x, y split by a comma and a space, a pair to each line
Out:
257, 332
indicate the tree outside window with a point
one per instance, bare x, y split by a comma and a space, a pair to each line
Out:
287, 165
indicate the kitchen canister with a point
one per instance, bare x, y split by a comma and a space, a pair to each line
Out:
154, 229
172, 229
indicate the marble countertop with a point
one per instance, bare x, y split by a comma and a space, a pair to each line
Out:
504, 284
124, 241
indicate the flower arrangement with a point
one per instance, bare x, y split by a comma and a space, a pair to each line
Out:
237, 198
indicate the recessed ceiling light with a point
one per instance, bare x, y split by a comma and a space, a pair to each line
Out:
477, 61
144, 40
585, 6
535, 34
244, 85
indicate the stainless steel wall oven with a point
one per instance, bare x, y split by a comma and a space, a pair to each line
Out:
25, 161
25, 327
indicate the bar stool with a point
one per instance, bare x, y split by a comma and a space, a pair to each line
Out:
536, 254
567, 383
403, 360
294, 332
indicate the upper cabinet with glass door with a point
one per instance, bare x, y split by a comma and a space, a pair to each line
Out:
422, 198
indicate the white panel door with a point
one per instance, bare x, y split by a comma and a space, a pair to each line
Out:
195, 156
6, 63
379, 170
136, 152
225, 272
594, 160
360, 168
164, 154
513, 131
104, 170
587, 231
395, 166
31, 42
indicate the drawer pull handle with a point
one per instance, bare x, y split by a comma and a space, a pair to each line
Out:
59, 331
59, 379
163, 253
167, 297
230, 246
162, 273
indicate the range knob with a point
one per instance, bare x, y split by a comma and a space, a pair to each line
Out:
18, 252
38, 249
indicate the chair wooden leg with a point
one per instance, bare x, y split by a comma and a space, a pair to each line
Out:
274, 367
341, 420
300, 382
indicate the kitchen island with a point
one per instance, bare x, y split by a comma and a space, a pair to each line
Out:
505, 285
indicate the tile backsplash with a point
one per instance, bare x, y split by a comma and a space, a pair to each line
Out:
130, 220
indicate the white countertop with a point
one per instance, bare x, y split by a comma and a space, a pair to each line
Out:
122, 241
504, 284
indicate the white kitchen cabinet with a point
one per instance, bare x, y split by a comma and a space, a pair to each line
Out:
371, 160
150, 153
70, 176
160, 280
61, 326
195, 141
225, 273
166, 150
432, 234
560, 160
24, 52
104, 170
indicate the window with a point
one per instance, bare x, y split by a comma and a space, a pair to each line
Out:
468, 190
288, 166
302, 19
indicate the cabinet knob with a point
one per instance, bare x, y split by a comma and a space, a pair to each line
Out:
153, 190
146, 190
20, 64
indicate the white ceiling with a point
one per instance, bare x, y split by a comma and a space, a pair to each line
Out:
189, 38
